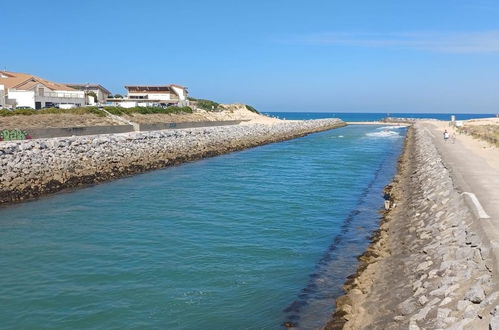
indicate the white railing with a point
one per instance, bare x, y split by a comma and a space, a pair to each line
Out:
62, 95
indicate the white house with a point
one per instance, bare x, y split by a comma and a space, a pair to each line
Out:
101, 93
2, 96
25, 90
154, 95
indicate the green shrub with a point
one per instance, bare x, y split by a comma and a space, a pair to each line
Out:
147, 110
207, 104
96, 111
250, 108
75, 111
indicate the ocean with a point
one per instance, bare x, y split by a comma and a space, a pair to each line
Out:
247, 240
372, 116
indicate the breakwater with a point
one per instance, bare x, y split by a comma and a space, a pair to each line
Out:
32, 168
427, 266
52, 132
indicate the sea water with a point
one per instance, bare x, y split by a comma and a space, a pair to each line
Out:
375, 116
246, 240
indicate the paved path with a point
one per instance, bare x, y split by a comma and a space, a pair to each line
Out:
474, 171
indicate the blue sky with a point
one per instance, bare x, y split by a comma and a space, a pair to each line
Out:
337, 56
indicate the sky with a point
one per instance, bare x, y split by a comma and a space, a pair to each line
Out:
277, 55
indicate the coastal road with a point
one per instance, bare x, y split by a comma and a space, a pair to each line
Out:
474, 166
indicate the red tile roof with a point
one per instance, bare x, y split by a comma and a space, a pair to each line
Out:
24, 81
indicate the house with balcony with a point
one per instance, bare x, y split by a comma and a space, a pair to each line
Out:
164, 95
2, 96
100, 92
25, 90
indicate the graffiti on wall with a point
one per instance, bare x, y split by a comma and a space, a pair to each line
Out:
13, 134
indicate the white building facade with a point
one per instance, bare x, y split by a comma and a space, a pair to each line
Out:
24, 90
102, 93
154, 96
2, 96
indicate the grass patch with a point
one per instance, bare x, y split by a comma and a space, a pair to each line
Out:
30, 112
96, 111
147, 110
250, 108
207, 105
489, 133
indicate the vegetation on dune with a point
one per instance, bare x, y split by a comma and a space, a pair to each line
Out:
75, 111
207, 105
96, 111
210, 105
147, 110
489, 133
250, 108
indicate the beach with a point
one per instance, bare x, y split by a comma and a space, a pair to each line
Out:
433, 262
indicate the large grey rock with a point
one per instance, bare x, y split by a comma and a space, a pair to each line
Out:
475, 294
494, 320
407, 307
462, 304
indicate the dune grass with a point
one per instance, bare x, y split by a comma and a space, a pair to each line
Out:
96, 111
489, 133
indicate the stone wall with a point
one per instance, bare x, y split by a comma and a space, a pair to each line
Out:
427, 267
191, 124
38, 133
52, 132
31, 168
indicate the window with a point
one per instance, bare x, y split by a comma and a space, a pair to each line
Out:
40, 91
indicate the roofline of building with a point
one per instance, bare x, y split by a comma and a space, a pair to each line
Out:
155, 86
91, 86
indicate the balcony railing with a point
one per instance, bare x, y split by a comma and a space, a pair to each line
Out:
62, 95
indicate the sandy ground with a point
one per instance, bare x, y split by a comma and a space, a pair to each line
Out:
232, 112
485, 150
54, 120
482, 121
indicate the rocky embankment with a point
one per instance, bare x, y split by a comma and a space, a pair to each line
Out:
32, 168
426, 267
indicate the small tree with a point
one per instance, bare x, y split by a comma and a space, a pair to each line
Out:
118, 96
92, 94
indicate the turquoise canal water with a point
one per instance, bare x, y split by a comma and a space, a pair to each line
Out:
247, 240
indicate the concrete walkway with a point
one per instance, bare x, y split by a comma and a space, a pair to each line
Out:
475, 171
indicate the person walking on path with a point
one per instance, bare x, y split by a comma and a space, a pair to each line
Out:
446, 135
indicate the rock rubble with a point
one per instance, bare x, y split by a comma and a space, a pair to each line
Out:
32, 168
426, 267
